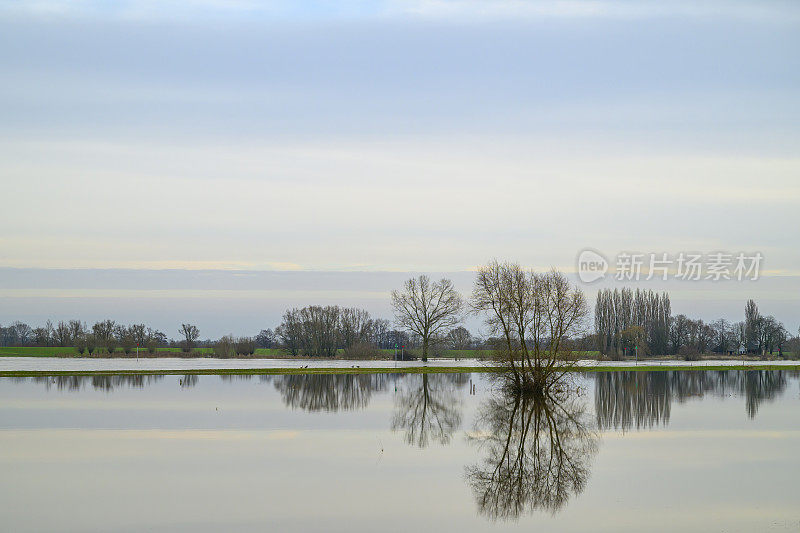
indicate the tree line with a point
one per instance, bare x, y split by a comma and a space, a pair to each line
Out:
640, 323
104, 335
428, 318
324, 330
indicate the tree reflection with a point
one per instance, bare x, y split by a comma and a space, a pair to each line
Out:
625, 400
104, 382
188, 381
638, 400
538, 453
760, 386
330, 392
428, 407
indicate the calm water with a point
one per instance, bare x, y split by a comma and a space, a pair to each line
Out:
660, 451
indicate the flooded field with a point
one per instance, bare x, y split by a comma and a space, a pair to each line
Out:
629, 451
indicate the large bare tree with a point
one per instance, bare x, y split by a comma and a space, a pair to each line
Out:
427, 308
535, 315
190, 334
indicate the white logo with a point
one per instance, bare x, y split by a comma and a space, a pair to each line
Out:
591, 266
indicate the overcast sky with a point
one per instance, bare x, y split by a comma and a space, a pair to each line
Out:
389, 136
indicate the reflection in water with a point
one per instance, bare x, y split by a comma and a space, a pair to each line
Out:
428, 407
760, 386
97, 382
188, 381
625, 400
537, 453
330, 392
631, 399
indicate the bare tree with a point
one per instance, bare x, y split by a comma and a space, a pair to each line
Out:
427, 308
752, 322
290, 332
43, 336
77, 329
139, 334
535, 315
265, 338
104, 334
24, 333
722, 337
320, 330
355, 326
190, 334
618, 310
62, 335
459, 338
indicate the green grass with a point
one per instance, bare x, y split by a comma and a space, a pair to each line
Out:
36, 351
30, 351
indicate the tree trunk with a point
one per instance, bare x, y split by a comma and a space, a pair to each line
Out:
425, 349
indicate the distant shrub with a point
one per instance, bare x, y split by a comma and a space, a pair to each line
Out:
80, 345
689, 353
245, 346
225, 347
90, 344
127, 345
111, 346
151, 346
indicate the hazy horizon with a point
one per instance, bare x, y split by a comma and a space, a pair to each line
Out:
220, 302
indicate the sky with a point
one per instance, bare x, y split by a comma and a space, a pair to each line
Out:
145, 140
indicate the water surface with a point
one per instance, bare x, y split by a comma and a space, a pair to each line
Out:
634, 451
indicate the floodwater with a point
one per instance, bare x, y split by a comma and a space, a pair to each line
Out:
623, 451
120, 364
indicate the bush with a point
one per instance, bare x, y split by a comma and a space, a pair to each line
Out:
689, 353
225, 347
127, 346
90, 344
245, 346
111, 346
80, 345
151, 346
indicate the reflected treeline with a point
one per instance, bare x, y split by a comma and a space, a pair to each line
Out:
188, 381
98, 382
639, 400
330, 392
537, 453
428, 407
